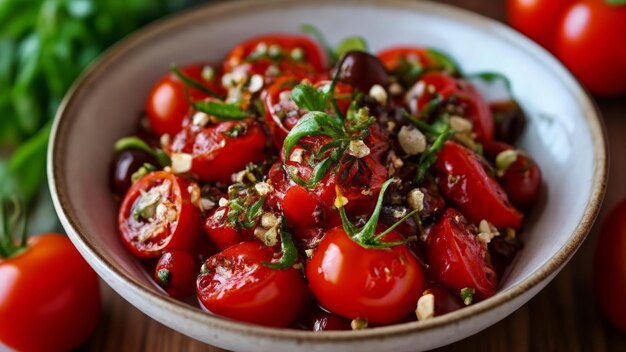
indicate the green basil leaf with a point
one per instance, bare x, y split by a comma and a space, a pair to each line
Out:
287, 247
354, 43
491, 77
314, 123
308, 97
190, 82
444, 61
223, 111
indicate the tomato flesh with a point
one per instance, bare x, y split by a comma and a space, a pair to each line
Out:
238, 286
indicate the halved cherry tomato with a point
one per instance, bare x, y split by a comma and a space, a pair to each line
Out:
459, 93
465, 183
220, 150
237, 285
157, 215
168, 102
289, 54
176, 272
609, 269
457, 259
380, 285
590, 43
49, 296
221, 233
538, 19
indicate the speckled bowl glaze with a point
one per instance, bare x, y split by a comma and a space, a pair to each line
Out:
565, 135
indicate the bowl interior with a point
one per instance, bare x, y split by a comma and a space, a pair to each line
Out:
109, 101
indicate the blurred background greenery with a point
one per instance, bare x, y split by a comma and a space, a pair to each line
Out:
44, 46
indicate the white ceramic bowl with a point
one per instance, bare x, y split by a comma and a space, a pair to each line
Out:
564, 135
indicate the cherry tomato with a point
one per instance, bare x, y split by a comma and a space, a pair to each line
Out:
458, 93
237, 285
465, 183
288, 54
221, 232
360, 181
380, 285
407, 63
590, 43
281, 113
537, 19
168, 101
220, 150
457, 259
49, 297
176, 272
157, 215
609, 270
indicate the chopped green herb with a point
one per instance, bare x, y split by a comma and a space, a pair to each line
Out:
467, 295
190, 82
288, 249
221, 110
137, 143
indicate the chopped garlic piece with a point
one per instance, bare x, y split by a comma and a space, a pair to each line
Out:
206, 204
425, 307
181, 162
263, 188
358, 149
395, 89
411, 140
269, 220
359, 324
223, 202
200, 119
296, 155
415, 199
256, 83
505, 159
460, 124
165, 140
378, 93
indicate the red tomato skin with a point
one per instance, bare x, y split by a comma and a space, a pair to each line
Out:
351, 281
477, 109
182, 234
391, 57
280, 127
221, 233
183, 268
216, 156
313, 63
609, 269
49, 297
465, 183
590, 42
537, 19
246, 290
457, 259
167, 104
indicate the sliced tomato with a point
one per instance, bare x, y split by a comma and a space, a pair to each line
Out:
465, 183
380, 285
288, 54
458, 93
281, 113
157, 215
457, 259
220, 150
222, 233
168, 102
237, 285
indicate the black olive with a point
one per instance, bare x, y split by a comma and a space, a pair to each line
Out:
510, 121
362, 70
124, 165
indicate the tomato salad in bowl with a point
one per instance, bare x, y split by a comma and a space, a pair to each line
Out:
296, 185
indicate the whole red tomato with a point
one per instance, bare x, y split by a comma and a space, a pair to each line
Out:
157, 215
49, 297
237, 285
590, 42
168, 101
609, 270
380, 285
537, 19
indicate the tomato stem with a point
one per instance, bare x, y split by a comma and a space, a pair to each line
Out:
137, 143
12, 218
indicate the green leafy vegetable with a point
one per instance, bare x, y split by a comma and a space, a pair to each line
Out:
221, 110
354, 43
136, 143
308, 97
444, 61
313, 123
190, 82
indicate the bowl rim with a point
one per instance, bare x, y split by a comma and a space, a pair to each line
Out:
64, 117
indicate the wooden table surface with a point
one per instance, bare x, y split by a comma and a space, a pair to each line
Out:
563, 317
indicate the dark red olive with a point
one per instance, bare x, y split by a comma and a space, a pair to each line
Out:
362, 70
445, 301
124, 165
318, 319
510, 121
502, 251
